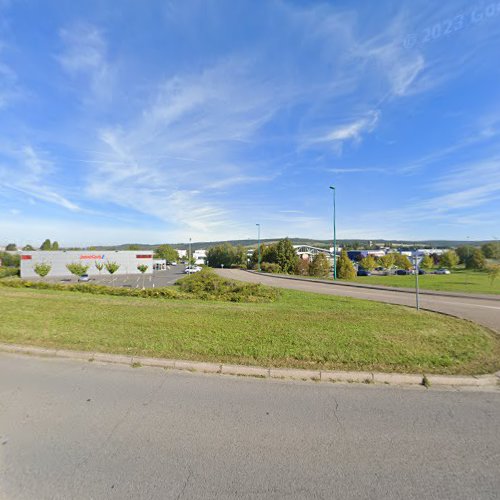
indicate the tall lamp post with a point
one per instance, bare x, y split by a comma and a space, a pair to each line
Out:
334, 238
258, 246
189, 253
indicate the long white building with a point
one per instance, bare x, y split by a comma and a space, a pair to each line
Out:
128, 260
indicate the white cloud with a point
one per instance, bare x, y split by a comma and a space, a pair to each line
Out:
85, 53
172, 160
354, 130
29, 173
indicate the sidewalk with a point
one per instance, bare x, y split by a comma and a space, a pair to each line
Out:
491, 381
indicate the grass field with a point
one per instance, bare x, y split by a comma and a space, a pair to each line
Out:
300, 330
458, 281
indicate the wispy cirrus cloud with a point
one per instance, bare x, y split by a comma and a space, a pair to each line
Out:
32, 176
84, 54
352, 131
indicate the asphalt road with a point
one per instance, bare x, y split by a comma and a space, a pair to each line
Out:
483, 311
81, 430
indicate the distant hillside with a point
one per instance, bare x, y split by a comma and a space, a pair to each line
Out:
299, 241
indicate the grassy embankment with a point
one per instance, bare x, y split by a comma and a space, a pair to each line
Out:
459, 280
295, 330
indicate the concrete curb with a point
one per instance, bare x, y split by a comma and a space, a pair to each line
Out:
377, 287
457, 381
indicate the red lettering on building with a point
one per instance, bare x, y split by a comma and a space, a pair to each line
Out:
144, 256
26, 257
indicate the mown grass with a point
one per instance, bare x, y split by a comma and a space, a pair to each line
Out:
300, 330
459, 280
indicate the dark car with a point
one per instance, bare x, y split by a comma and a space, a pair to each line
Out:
402, 272
363, 272
421, 271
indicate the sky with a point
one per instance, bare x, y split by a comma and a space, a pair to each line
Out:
161, 121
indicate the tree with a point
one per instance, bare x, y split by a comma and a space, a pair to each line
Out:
402, 261
11, 247
10, 259
223, 255
167, 253
320, 266
142, 268
99, 266
493, 272
269, 253
28, 248
286, 256
46, 245
345, 268
77, 269
368, 263
427, 262
42, 269
55, 245
112, 267
387, 260
475, 260
464, 251
490, 250
303, 267
449, 259
133, 247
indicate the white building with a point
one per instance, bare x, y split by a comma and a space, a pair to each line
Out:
128, 260
200, 256
308, 251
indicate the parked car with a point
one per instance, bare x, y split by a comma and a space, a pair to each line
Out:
402, 272
379, 268
192, 269
442, 271
363, 272
84, 277
421, 271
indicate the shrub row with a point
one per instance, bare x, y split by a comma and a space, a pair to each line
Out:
8, 271
205, 285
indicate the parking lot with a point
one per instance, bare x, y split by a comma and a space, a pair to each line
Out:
156, 279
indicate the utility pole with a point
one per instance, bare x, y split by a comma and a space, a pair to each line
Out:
258, 246
416, 281
334, 238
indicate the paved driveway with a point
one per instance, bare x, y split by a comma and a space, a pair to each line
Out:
483, 311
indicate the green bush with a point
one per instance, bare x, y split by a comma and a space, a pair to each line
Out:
205, 285
5, 272
270, 267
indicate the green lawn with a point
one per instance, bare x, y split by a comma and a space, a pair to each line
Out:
458, 281
299, 330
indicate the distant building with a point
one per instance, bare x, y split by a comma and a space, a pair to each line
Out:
308, 251
357, 255
200, 256
128, 260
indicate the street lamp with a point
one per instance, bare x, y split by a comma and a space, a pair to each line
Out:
258, 246
334, 238
416, 282
189, 253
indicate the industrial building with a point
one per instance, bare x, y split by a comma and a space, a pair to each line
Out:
128, 260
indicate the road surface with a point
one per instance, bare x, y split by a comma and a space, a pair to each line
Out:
483, 311
80, 430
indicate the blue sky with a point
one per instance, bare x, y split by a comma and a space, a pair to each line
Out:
158, 121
